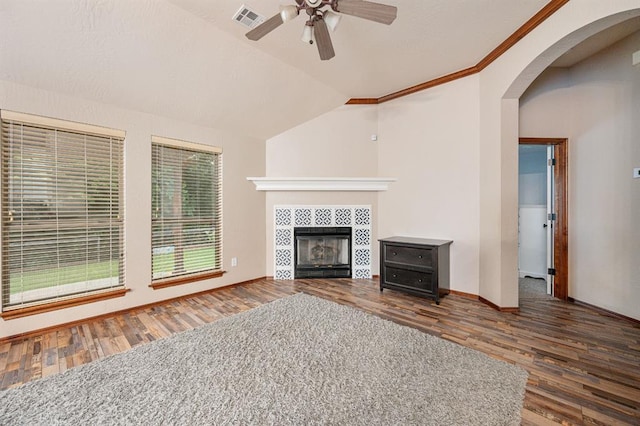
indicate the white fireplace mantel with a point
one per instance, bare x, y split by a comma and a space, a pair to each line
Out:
321, 184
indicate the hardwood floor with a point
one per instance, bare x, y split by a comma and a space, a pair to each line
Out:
584, 366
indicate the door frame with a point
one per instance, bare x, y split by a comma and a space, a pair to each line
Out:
561, 228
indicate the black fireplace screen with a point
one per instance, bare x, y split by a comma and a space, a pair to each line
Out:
322, 252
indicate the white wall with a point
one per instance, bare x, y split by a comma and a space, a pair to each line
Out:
554, 84
596, 104
454, 150
242, 156
429, 141
335, 144
501, 84
470, 183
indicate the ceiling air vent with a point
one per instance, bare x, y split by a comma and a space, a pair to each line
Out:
248, 17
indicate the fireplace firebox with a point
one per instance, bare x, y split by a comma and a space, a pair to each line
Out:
322, 252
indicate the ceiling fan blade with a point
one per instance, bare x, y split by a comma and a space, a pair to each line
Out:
265, 28
376, 12
323, 39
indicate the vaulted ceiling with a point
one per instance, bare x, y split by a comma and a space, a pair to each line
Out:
188, 60
428, 39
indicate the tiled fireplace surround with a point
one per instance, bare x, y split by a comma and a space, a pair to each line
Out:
287, 217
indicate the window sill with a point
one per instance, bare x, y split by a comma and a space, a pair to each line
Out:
186, 279
62, 304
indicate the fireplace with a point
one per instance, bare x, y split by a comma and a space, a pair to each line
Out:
357, 218
322, 252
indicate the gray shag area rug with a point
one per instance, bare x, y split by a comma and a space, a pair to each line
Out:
299, 360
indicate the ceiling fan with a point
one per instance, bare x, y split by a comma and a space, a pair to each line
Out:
322, 16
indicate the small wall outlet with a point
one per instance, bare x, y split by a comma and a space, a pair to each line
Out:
636, 172
234, 261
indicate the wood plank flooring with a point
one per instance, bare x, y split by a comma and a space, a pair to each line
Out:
584, 366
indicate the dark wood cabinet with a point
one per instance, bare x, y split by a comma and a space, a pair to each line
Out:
415, 265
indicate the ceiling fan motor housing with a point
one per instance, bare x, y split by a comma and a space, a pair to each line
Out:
313, 3
320, 22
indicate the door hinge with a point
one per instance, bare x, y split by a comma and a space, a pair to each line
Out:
551, 216
551, 162
551, 271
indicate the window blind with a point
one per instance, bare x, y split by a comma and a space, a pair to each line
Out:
186, 208
62, 210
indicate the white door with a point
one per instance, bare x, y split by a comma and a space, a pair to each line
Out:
550, 218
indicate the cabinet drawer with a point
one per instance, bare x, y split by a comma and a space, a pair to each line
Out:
409, 255
407, 278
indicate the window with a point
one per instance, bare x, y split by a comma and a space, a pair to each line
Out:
62, 210
186, 211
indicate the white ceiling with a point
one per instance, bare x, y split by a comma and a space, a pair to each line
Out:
188, 60
428, 39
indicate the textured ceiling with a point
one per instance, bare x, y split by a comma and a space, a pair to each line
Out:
187, 59
428, 39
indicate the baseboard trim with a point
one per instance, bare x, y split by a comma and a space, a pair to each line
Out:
373, 277
32, 333
463, 294
498, 308
602, 310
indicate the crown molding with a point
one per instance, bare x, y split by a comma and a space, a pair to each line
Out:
544, 13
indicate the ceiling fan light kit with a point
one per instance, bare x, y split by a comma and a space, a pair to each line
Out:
316, 29
307, 34
289, 12
332, 19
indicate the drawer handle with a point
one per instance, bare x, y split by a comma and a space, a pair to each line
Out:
420, 280
395, 254
420, 257
394, 275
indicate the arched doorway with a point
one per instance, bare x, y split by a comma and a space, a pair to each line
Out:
499, 134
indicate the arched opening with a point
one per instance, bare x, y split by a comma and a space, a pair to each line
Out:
509, 132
